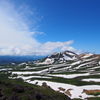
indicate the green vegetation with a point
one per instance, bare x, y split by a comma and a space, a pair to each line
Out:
74, 81
97, 69
77, 99
16, 89
93, 98
67, 73
90, 98
95, 94
90, 76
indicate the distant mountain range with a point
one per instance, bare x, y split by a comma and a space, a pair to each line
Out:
15, 59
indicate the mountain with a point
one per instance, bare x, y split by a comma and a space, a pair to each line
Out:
70, 57
60, 57
66, 72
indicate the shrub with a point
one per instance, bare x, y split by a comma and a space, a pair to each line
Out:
18, 89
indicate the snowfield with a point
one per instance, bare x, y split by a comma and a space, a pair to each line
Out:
76, 91
64, 66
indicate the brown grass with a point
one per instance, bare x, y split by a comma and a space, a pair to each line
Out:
90, 91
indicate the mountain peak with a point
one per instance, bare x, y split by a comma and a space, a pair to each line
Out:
60, 57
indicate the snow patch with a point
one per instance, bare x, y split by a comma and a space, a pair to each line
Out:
91, 79
87, 55
76, 91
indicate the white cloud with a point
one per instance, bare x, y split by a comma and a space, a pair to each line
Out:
50, 46
15, 34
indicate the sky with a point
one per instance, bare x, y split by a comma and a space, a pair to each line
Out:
42, 27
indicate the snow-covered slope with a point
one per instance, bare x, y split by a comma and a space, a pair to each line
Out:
69, 56
60, 57
68, 70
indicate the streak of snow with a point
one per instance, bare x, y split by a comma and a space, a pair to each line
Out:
75, 63
70, 75
87, 55
66, 57
27, 72
70, 53
95, 80
28, 77
95, 67
99, 62
84, 64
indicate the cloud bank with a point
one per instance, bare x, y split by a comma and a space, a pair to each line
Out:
16, 36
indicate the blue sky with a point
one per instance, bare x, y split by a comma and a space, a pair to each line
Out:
39, 27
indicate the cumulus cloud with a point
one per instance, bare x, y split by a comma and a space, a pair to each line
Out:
16, 37
50, 47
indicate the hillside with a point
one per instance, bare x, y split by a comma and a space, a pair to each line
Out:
77, 76
18, 90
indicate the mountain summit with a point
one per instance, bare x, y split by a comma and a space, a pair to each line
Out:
60, 57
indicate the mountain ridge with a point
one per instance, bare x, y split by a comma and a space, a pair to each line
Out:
66, 56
